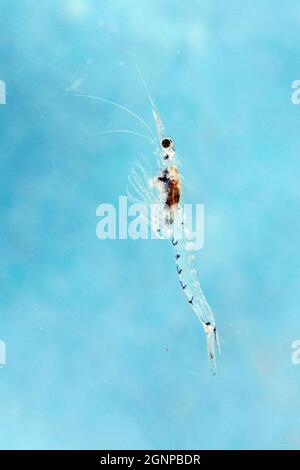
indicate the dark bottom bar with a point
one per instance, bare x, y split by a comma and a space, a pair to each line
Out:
132, 459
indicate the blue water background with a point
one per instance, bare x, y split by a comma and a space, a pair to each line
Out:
102, 348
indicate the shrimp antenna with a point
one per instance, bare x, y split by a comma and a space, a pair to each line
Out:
157, 118
121, 131
117, 105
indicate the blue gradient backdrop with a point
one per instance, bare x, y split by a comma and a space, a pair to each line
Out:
102, 349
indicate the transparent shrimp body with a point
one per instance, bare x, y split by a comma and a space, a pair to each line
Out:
164, 191
183, 244
157, 184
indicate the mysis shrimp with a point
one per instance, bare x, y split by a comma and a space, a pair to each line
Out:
163, 192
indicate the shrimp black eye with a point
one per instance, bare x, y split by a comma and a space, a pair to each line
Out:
166, 143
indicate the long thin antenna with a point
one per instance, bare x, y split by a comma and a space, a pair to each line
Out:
117, 105
121, 131
158, 121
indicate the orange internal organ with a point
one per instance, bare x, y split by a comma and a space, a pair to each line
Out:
173, 188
